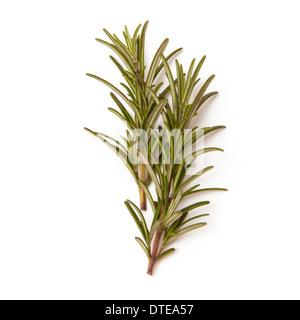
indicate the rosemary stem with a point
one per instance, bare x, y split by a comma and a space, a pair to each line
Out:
153, 258
154, 251
143, 202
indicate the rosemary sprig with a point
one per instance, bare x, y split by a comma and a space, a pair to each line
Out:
158, 156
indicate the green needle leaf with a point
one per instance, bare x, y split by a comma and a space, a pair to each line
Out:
138, 222
142, 47
121, 154
192, 178
193, 218
141, 216
187, 193
165, 253
130, 104
197, 153
154, 64
168, 57
172, 87
194, 206
143, 246
120, 53
183, 231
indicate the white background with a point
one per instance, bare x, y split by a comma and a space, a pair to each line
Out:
64, 230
